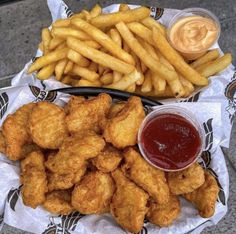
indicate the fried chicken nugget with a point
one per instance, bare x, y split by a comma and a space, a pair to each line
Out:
149, 178
73, 103
115, 109
15, 132
187, 180
128, 205
93, 194
204, 198
122, 130
74, 151
164, 215
87, 114
2, 143
33, 178
58, 202
108, 160
47, 125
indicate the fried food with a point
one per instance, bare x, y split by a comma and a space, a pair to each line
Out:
14, 130
73, 103
34, 180
128, 205
108, 160
2, 143
146, 176
115, 109
58, 202
93, 194
122, 130
204, 198
47, 125
88, 113
164, 215
74, 151
187, 180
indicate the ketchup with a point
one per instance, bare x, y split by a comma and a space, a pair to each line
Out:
170, 141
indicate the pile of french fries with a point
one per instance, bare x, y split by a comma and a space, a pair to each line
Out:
127, 50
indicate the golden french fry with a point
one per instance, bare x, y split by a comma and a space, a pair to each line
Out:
61, 23
150, 23
176, 60
60, 67
106, 20
107, 78
93, 67
80, 15
131, 88
69, 67
46, 71
147, 84
67, 80
85, 73
187, 84
143, 67
97, 10
213, 67
40, 46
209, 56
151, 63
101, 69
138, 67
154, 93
99, 57
55, 42
149, 48
116, 76
93, 44
82, 83
66, 32
49, 58
46, 38
77, 58
126, 47
123, 7
103, 39
87, 15
115, 36
158, 83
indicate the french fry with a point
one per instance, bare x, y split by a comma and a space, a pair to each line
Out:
87, 15
131, 88
101, 69
55, 42
66, 80
60, 67
80, 15
154, 93
49, 58
149, 48
106, 20
138, 67
93, 67
187, 84
151, 63
66, 32
209, 56
143, 67
99, 57
61, 23
176, 60
97, 10
147, 84
213, 67
46, 71
46, 38
107, 78
150, 23
85, 73
126, 47
82, 83
115, 36
103, 39
40, 46
116, 76
69, 67
93, 44
77, 58
123, 7
125, 81
158, 83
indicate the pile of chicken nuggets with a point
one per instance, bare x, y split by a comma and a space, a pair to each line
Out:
83, 157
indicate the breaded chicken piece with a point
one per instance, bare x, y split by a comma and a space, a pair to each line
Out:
187, 180
204, 198
47, 125
73, 103
74, 151
34, 180
88, 114
108, 160
164, 215
2, 143
58, 202
15, 132
128, 205
122, 130
115, 109
149, 178
93, 194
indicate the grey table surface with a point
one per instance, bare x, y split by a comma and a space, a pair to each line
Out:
20, 27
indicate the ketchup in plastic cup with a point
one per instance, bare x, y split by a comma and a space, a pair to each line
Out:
170, 138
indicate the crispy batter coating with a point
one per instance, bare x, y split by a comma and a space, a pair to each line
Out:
2, 143
33, 178
164, 215
187, 180
73, 103
93, 194
122, 129
74, 151
128, 204
58, 202
108, 160
151, 179
88, 114
204, 198
15, 132
47, 125
115, 109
